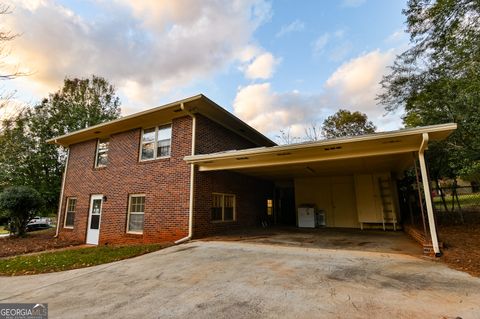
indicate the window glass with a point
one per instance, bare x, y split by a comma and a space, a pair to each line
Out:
148, 151
164, 132
269, 207
217, 207
223, 207
163, 148
70, 213
136, 211
229, 201
95, 222
156, 142
136, 223
148, 135
102, 153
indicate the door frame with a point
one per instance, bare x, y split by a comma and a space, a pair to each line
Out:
90, 210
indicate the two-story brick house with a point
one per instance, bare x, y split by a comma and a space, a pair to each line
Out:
190, 169
126, 180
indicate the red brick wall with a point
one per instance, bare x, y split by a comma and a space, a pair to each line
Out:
165, 182
251, 193
212, 137
250, 196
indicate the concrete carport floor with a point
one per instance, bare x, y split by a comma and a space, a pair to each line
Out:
250, 280
327, 238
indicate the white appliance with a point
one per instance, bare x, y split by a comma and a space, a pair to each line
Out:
306, 217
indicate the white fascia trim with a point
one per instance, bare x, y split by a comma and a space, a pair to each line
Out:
275, 149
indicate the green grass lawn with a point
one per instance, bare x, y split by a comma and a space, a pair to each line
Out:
71, 259
3, 231
466, 200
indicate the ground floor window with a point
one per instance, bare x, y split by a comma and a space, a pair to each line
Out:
269, 207
223, 207
70, 212
136, 210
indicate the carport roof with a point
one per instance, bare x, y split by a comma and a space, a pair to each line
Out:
385, 151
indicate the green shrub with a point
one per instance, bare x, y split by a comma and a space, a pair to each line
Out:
19, 204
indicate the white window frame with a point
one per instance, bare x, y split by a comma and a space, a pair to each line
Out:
155, 142
223, 208
137, 213
67, 211
98, 149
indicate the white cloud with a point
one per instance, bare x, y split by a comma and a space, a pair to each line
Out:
356, 81
354, 86
10, 108
262, 67
269, 111
247, 54
147, 48
320, 43
334, 43
352, 3
256, 63
295, 26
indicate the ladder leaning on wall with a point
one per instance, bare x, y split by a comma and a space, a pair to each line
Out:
388, 208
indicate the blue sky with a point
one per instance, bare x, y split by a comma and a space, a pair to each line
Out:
275, 64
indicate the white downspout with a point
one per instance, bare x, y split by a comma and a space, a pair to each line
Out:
192, 177
428, 198
60, 204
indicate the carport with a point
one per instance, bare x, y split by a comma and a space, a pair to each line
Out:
349, 182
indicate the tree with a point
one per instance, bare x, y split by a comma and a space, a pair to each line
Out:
24, 154
313, 132
285, 137
6, 36
346, 123
437, 80
6, 71
20, 204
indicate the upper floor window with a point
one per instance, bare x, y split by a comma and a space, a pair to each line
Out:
101, 159
156, 142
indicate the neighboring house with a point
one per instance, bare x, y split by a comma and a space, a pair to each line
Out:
191, 169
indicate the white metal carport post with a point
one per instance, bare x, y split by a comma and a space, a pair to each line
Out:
428, 197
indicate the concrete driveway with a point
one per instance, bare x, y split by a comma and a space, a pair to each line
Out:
252, 280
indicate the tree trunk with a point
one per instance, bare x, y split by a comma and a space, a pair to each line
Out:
455, 196
439, 190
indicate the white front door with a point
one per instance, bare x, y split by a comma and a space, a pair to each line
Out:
93, 230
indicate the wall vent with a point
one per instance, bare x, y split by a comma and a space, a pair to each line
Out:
391, 141
332, 148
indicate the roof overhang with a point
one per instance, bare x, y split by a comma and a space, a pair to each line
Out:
386, 151
198, 104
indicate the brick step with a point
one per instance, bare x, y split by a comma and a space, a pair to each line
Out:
428, 248
419, 237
